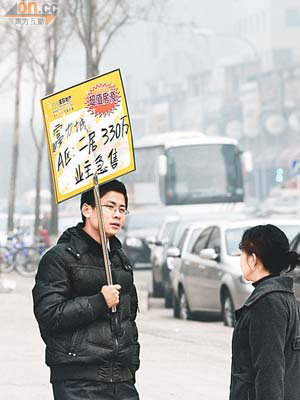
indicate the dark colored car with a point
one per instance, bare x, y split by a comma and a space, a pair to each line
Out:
158, 256
170, 235
141, 227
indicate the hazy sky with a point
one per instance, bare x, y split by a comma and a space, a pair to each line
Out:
143, 51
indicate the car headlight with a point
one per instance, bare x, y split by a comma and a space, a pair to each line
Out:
134, 242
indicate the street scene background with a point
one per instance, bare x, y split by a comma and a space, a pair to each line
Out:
220, 79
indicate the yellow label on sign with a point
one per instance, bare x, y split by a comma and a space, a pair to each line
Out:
88, 131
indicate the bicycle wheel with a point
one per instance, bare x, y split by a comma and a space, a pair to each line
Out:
27, 261
7, 259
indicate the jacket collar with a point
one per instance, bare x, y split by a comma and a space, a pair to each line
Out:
81, 243
274, 284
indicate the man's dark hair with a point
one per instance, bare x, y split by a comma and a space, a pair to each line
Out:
111, 186
271, 246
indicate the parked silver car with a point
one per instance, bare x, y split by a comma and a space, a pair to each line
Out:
206, 275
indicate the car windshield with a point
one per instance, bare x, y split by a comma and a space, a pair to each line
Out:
233, 237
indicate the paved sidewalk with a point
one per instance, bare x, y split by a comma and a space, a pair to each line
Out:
23, 374
180, 359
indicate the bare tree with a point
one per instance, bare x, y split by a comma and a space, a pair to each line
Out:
39, 144
96, 23
17, 36
13, 46
44, 69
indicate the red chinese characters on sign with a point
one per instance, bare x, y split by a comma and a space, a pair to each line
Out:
103, 99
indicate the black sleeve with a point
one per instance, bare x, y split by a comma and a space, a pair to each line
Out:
54, 308
136, 351
267, 336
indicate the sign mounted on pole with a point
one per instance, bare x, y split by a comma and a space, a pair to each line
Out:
88, 132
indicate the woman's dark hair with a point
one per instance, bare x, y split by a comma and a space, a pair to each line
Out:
271, 246
112, 186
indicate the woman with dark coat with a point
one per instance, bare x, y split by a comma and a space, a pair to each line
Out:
266, 337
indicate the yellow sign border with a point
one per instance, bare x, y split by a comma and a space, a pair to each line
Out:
132, 166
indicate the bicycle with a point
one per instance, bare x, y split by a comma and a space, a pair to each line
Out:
8, 254
17, 256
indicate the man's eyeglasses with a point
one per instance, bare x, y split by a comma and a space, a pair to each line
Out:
113, 209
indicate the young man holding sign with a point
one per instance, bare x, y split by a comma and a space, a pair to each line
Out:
92, 352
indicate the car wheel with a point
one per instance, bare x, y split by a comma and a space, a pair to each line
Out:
184, 311
157, 290
228, 310
168, 298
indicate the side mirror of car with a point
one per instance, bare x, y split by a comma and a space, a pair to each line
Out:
157, 243
209, 254
173, 252
162, 242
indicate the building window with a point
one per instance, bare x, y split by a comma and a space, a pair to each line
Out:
292, 18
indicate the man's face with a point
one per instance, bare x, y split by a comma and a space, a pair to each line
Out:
113, 219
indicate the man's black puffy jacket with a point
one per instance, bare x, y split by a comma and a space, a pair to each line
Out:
83, 340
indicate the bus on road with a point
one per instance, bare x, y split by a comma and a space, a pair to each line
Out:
183, 168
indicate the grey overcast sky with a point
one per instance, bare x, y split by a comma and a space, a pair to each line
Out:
143, 51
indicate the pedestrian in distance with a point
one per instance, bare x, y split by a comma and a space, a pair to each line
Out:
92, 352
266, 337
